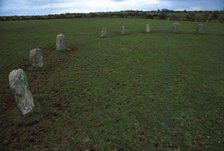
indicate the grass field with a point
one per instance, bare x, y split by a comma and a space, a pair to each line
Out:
156, 91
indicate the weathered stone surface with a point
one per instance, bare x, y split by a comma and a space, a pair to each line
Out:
103, 32
23, 97
174, 27
60, 42
200, 28
147, 28
123, 30
36, 57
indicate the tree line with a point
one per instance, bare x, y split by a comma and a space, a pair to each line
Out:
165, 14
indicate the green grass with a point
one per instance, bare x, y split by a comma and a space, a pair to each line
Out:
156, 91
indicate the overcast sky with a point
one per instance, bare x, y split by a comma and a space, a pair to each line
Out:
43, 7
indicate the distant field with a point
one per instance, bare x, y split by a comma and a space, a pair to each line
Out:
156, 91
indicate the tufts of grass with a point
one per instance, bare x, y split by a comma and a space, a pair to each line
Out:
155, 91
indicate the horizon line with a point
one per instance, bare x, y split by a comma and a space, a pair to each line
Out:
220, 10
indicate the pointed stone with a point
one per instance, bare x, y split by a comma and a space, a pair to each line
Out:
103, 32
23, 97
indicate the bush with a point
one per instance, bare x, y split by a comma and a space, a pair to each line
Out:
191, 17
163, 16
215, 15
221, 19
149, 16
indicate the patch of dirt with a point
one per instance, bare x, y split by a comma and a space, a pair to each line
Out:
17, 136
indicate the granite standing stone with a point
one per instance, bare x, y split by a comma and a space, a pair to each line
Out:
200, 28
123, 30
60, 42
36, 57
147, 28
23, 97
103, 32
174, 27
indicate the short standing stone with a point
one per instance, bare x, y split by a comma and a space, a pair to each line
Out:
60, 42
174, 27
200, 28
123, 30
147, 28
23, 97
36, 57
103, 32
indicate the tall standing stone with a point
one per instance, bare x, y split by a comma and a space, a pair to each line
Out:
200, 28
103, 32
23, 97
36, 57
60, 42
147, 28
123, 30
174, 27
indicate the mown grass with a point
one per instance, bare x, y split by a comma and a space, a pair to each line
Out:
156, 91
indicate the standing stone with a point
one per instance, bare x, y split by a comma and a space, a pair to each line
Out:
36, 57
174, 27
23, 97
123, 30
103, 32
60, 42
147, 28
200, 28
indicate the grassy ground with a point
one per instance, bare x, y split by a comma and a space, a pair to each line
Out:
156, 91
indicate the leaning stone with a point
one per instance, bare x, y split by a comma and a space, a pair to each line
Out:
200, 28
23, 97
123, 30
60, 42
147, 28
103, 32
36, 57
